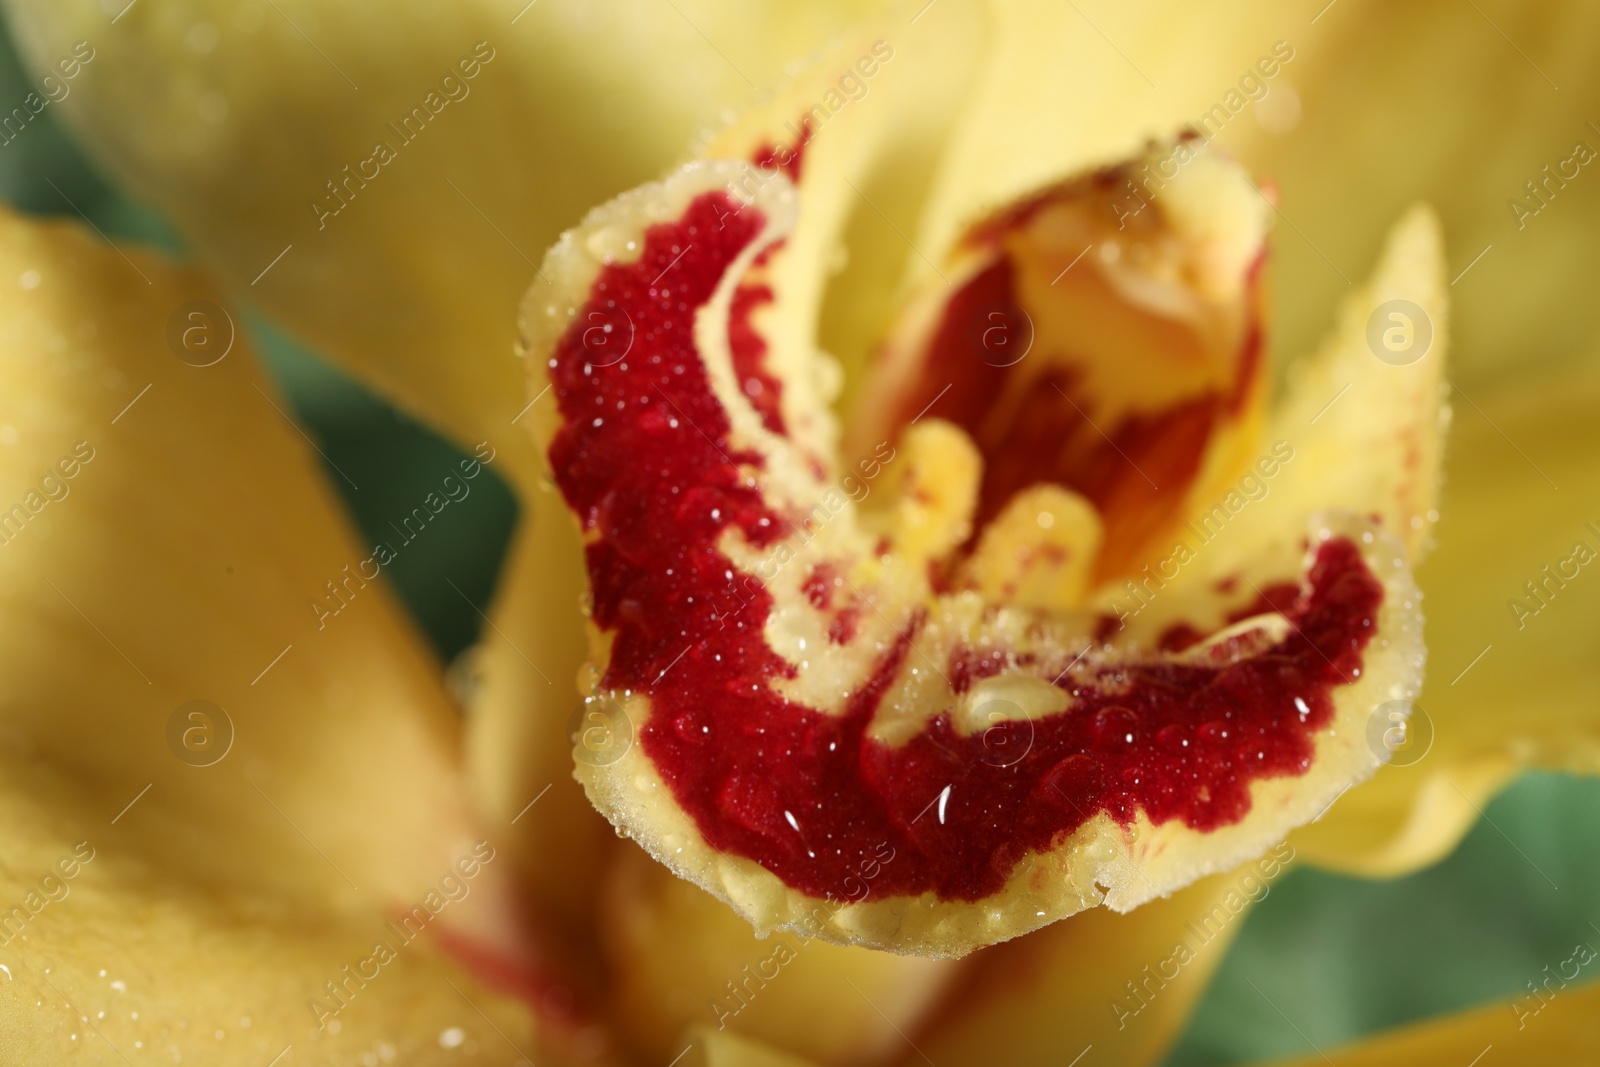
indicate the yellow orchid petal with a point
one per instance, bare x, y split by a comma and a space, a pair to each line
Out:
678, 958
1138, 73
1335, 97
1123, 985
1512, 684
1553, 1027
520, 723
869, 120
1461, 105
1367, 413
437, 150
130, 955
207, 684
784, 674
723, 1048
1360, 428
1288, 91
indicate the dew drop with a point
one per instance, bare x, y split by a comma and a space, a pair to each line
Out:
1114, 726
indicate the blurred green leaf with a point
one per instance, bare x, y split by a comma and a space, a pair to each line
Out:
1342, 957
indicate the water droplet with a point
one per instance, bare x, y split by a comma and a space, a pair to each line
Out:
1114, 726
608, 244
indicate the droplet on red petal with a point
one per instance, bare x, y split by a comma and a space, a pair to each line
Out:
689, 728
1073, 783
1174, 736
1114, 727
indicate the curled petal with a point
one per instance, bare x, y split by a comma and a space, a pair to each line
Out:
677, 956
1033, 1002
1532, 1029
1514, 685
812, 710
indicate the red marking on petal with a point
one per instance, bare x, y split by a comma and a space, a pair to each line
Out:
749, 349
644, 457
1132, 470
788, 159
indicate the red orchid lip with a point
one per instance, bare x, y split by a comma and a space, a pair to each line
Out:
676, 489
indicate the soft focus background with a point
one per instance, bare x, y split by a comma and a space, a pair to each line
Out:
1341, 957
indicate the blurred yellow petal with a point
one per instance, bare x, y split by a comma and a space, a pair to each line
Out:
168, 539
1556, 1029
1511, 682
144, 957
706, 1047
519, 736
382, 179
1065, 87
1456, 104
1361, 427
862, 129
678, 957
1121, 985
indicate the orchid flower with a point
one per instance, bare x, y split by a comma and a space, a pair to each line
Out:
999, 482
